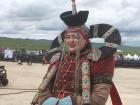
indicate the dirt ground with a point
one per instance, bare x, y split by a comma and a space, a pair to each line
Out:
24, 79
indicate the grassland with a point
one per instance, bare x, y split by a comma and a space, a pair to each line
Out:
29, 44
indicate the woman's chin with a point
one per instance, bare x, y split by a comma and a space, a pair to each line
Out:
72, 50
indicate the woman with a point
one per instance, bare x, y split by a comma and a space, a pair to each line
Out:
80, 75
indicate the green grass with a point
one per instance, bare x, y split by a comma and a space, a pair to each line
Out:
131, 50
29, 44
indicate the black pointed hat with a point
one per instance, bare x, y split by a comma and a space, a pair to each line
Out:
74, 20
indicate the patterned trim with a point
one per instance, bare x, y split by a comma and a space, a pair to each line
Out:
102, 79
83, 28
53, 50
47, 79
94, 55
95, 31
113, 45
45, 83
55, 58
74, 28
35, 99
108, 33
85, 82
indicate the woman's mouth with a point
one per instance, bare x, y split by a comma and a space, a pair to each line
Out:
72, 46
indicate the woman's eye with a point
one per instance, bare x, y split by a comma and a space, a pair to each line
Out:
76, 36
67, 37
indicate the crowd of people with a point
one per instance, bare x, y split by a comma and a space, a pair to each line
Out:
23, 55
123, 61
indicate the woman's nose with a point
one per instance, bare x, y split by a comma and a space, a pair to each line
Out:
72, 40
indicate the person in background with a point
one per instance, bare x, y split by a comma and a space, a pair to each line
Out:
44, 59
30, 58
20, 59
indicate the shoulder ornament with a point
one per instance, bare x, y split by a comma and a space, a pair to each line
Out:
111, 36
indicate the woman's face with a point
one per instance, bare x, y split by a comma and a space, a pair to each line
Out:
74, 40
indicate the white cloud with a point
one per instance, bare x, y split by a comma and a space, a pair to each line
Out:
40, 18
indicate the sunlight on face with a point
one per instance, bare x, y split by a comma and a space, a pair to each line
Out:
74, 40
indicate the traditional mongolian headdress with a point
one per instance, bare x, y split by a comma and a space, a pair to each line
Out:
76, 21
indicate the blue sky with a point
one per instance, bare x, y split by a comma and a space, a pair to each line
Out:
39, 19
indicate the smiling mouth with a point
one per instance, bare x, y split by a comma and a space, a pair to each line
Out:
72, 46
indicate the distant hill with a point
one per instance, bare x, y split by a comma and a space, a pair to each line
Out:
30, 44
130, 49
33, 44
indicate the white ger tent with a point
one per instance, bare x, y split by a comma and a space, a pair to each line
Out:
136, 57
128, 56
